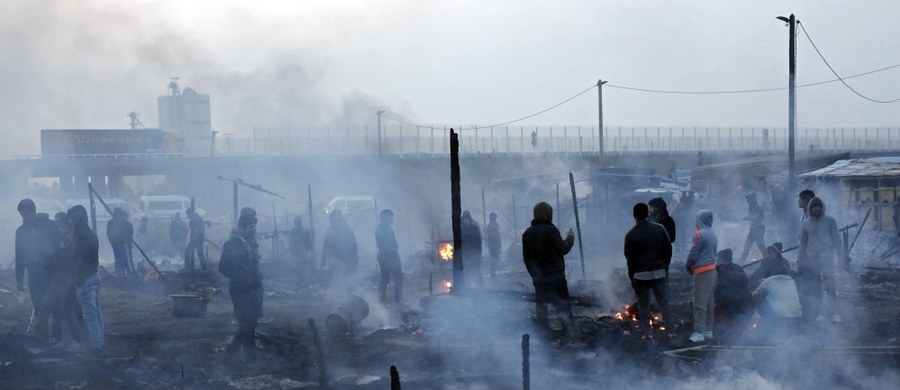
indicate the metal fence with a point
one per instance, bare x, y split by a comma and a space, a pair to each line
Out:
408, 140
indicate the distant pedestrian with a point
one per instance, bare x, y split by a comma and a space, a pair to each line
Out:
543, 251
339, 245
756, 234
198, 239
493, 243
178, 232
301, 245
701, 264
388, 256
120, 233
648, 251
239, 263
471, 249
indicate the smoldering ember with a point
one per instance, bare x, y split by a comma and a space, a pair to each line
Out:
399, 253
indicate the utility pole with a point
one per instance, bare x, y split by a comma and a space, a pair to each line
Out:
792, 99
379, 130
600, 112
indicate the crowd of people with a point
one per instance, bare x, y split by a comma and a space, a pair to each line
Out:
60, 259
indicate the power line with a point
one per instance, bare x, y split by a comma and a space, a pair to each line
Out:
838, 76
586, 90
751, 90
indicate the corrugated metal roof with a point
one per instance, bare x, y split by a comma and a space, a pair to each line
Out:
880, 167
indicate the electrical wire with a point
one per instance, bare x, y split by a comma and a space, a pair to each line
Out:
838, 76
586, 90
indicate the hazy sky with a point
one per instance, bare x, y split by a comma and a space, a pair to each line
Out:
86, 64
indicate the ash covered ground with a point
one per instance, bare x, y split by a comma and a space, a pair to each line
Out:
441, 341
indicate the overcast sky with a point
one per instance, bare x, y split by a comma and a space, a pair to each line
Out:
86, 64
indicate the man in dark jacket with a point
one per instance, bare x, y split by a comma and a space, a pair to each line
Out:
734, 304
471, 249
388, 256
59, 301
84, 251
756, 217
542, 251
493, 242
339, 244
198, 238
37, 247
648, 250
240, 265
121, 234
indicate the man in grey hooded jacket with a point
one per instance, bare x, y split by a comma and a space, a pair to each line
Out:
756, 217
701, 264
819, 242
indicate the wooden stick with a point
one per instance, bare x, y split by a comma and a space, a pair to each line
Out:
526, 366
320, 355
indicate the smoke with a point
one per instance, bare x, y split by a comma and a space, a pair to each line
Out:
87, 64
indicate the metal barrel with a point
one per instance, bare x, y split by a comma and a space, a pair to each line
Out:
347, 316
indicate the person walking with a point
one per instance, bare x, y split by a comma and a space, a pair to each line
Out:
471, 249
36, 251
756, 234
701, 264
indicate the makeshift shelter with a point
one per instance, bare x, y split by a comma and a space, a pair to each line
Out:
864, 183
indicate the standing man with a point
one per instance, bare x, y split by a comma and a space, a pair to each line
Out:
388, 256
471, 249
239, 263
756, 217
819, 244
84, 250
37, 243
198, 238
178, 233
648, 250
301, 250
542, 251
120, 233
493, 242
659, 213
701, 264
339, 244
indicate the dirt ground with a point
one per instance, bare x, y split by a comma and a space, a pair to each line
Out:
436, 340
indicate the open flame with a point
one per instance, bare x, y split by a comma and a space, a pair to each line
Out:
447, 284
446, 251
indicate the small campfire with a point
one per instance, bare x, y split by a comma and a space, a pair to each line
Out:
445, 251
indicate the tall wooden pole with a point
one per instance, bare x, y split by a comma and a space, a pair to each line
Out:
577, 224
456, 214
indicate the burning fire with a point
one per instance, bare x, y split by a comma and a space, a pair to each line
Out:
446, 251
447, 284
419, 331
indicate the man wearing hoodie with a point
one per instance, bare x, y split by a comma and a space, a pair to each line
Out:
84, 251
542, 251
819, 243
701, 263
755, 216
659, 213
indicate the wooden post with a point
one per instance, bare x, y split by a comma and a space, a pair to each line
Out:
577, 224
526, 365
459, 284
320, 355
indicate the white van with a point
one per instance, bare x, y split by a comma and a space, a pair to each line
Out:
165, 206
352, 205
102, 215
